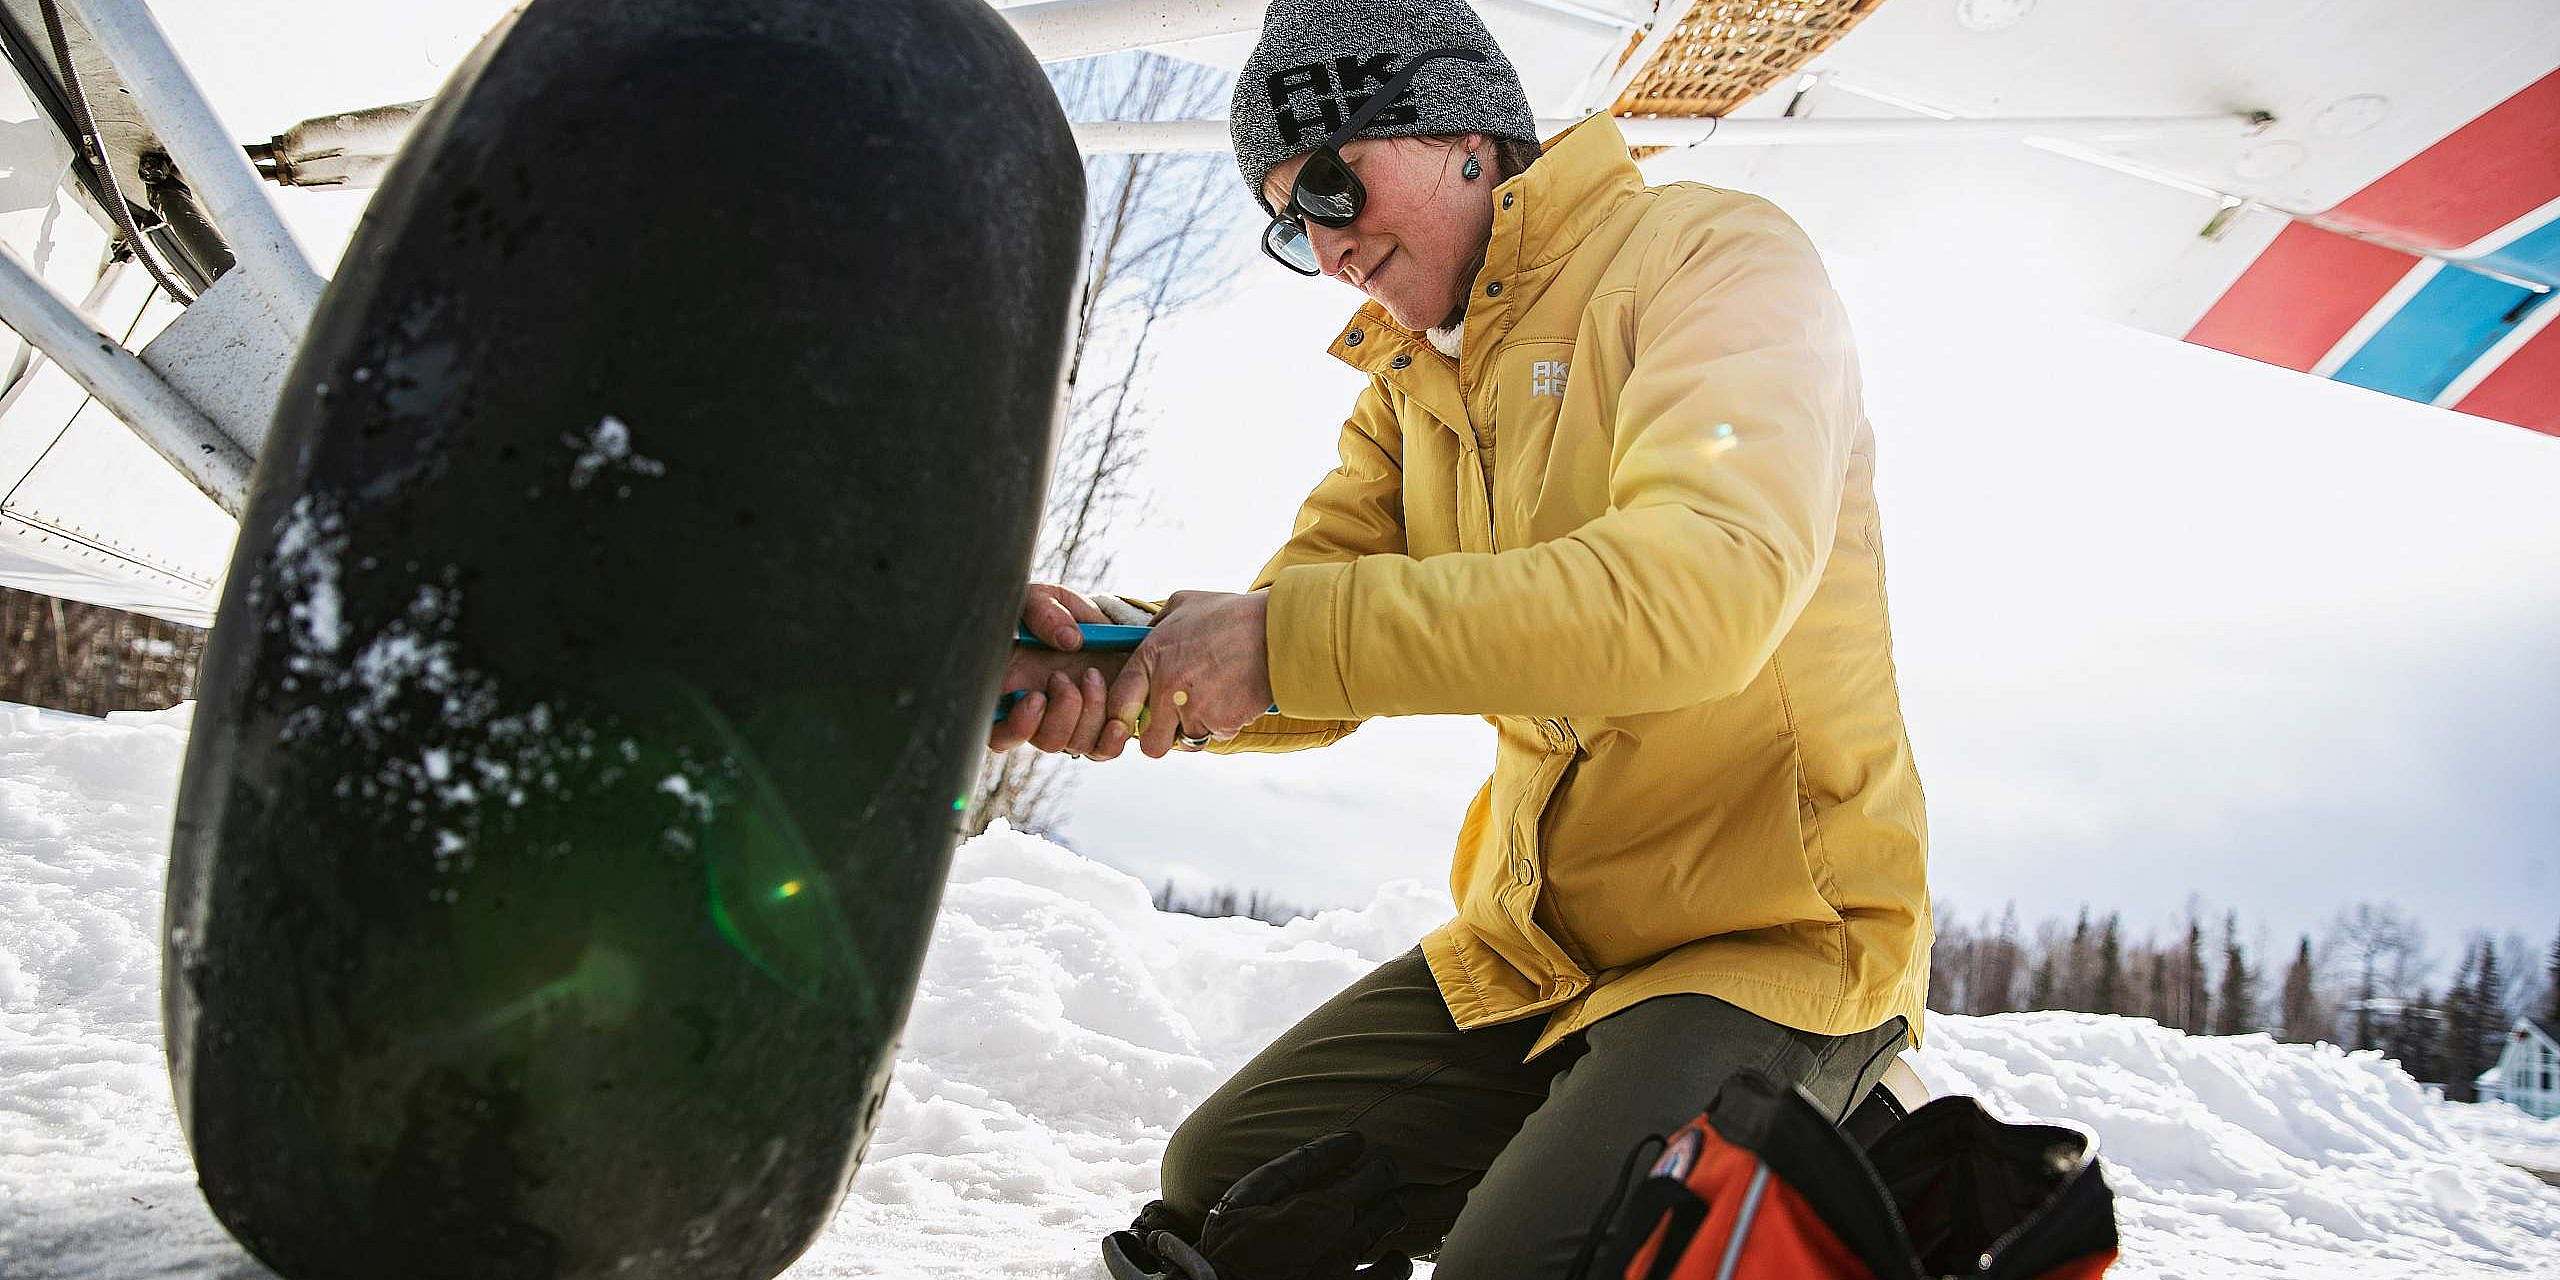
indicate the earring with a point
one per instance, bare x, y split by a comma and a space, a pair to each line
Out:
1470, 169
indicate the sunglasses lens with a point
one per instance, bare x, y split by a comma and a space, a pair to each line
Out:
1327, 191
1288, 242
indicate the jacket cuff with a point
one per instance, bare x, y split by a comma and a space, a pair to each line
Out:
1128, 611
1303, 631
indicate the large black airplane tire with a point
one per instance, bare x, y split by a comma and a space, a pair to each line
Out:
610, 640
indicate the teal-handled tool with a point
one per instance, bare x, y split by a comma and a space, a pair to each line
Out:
1102, 637
1099, 637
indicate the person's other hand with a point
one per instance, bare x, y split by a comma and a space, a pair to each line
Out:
1062, 707
1203, 670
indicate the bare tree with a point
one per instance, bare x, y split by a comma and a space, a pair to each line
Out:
2044, 986
2000, 973
1950, 951
1254, 904
1153, 245
2077, 975
2520, 967
2369, 982
2383, 941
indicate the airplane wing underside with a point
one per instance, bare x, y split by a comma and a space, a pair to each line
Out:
2395, 224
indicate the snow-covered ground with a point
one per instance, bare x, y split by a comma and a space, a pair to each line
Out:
2505, 1132
1064, 1027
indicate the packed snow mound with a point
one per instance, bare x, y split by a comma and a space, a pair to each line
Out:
1063, 1028
2236, 1155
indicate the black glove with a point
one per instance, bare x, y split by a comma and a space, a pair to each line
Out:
1313, 1214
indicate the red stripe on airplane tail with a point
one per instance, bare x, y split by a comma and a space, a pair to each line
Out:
2476, 179
2525, 390
2305, 291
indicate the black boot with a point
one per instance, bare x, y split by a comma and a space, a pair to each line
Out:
1153, 1248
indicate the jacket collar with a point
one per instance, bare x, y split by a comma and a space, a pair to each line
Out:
1580, 178
1570, 191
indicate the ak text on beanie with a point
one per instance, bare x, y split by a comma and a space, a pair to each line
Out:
1319, 60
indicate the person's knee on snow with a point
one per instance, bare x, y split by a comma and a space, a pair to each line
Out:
1198, 1167
1205, 1159
1321, 1209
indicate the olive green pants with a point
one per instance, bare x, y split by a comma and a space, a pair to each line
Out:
1504, 1163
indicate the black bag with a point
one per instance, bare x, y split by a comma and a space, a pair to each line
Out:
1763, 1187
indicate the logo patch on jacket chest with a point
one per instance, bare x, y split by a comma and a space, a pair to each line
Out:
1546, 377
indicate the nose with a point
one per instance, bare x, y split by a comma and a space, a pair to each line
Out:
1333, 249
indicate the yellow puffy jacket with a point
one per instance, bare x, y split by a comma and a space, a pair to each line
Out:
1634, 526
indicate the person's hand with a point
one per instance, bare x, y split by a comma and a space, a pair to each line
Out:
1052, 612
1062, 707
1204, 670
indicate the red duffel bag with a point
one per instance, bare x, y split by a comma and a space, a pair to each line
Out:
1763, 1187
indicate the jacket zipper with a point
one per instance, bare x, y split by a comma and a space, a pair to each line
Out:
1524, 875
1475, 448
1484, 475
1567, 738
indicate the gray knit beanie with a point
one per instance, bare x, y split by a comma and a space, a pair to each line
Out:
1318, 60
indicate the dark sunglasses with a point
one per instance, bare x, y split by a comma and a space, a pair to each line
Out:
1326, 191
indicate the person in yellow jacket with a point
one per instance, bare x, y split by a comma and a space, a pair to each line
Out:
1610, 486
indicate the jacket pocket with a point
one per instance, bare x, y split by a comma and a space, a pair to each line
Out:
1817, 864
1645, 864
1561, 973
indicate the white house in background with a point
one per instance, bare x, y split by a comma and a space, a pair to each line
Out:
2528, 1072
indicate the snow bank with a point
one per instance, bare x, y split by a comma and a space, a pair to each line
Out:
2235, 1155
1063, 1027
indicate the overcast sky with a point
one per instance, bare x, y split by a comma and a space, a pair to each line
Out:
2167, 622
